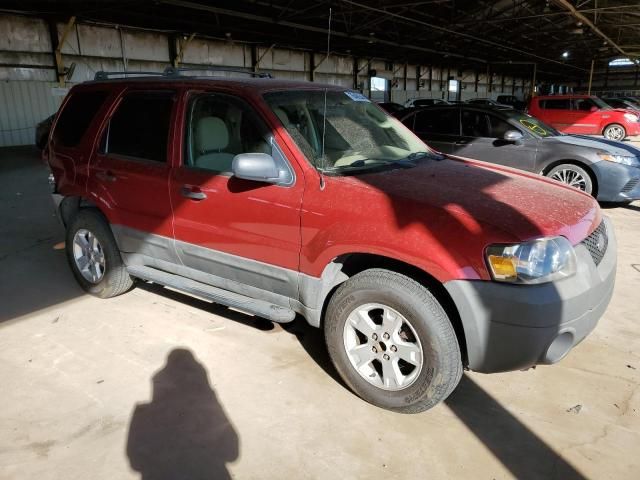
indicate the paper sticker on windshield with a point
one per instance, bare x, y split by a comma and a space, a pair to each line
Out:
356, 96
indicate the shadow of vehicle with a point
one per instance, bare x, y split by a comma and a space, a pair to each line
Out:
183, 432
519, 449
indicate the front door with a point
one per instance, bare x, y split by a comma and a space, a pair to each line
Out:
130, 173
585, 121
230, 232
437, 127
482, 139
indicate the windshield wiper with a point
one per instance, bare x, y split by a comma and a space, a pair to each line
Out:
369, 164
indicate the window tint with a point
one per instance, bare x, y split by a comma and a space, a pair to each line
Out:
76, 117
499, 127
475, 124
583, 104
555, 104
221, 127
140, 126
444, 122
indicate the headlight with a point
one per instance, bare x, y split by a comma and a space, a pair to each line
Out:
624, 159
537, 261
631, 117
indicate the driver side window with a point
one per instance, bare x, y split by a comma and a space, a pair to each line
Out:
218, 129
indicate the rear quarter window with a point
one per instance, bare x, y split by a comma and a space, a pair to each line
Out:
76, 117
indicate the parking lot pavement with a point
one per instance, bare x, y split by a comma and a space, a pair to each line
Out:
164, 385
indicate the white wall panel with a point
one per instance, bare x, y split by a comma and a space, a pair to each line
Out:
25, 103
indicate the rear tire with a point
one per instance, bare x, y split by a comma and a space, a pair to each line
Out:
573, 176
614, 132
392, 342
94, 257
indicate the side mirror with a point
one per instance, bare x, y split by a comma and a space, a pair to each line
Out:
258, 167
513, 136
594, 109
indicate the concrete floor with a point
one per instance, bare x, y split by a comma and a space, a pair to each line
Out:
157, 382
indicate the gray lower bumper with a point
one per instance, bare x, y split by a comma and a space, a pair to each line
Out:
513, 327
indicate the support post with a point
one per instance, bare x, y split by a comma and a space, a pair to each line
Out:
533, 80
312, 67
590, 78
57, 45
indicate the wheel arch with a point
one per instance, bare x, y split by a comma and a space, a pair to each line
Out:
70, 205
579, 163
353, 263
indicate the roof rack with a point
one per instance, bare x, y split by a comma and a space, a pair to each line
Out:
177, 72
102, 75
174, 71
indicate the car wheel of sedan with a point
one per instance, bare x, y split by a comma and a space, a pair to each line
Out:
392, 342
94, 257
614, 132
572, 175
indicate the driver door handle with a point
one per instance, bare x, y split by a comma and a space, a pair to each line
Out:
194, 193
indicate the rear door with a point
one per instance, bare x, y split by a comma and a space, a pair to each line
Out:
230, 232
557, 112
483, 134
130, 172
437, 127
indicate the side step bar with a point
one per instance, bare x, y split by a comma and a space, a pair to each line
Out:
250, 305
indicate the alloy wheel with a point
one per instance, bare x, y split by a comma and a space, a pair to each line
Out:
571, 178
383, 347
88, 255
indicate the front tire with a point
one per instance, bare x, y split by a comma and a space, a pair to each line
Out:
572, 175
392, 342
614, 132
94, 257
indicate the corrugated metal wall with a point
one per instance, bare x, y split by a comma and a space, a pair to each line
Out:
27, 71
22, 105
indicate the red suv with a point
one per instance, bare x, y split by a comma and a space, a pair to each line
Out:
286, 198
584, 114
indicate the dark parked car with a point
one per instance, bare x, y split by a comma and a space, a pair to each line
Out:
487, 102
621, 103
42, 132
391, 107
512, 101
608, 170
426, 102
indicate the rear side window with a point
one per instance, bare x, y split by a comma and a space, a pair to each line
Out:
444, 122
140, 126
77, 116
555, 104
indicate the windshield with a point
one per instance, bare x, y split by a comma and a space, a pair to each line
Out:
532, 124
357, 134
601, 103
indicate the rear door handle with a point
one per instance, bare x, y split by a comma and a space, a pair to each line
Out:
194, 193
107, 176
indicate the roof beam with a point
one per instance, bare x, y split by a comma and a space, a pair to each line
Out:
580, 17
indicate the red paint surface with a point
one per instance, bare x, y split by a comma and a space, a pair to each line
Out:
439, 216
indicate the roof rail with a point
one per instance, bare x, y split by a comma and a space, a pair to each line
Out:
176, 71
102, 75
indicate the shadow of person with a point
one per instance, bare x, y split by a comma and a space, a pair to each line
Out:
184, 432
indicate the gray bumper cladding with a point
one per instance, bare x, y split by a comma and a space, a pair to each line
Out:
513, 327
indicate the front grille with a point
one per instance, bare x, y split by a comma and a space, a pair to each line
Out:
630, 185
597, 243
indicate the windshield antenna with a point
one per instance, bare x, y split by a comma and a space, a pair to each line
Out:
324, 111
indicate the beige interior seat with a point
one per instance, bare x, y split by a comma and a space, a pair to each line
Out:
211, 139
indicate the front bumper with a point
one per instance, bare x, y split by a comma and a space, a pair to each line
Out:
514, 327
617, 182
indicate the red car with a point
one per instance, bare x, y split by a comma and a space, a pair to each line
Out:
285, 198
584, 114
